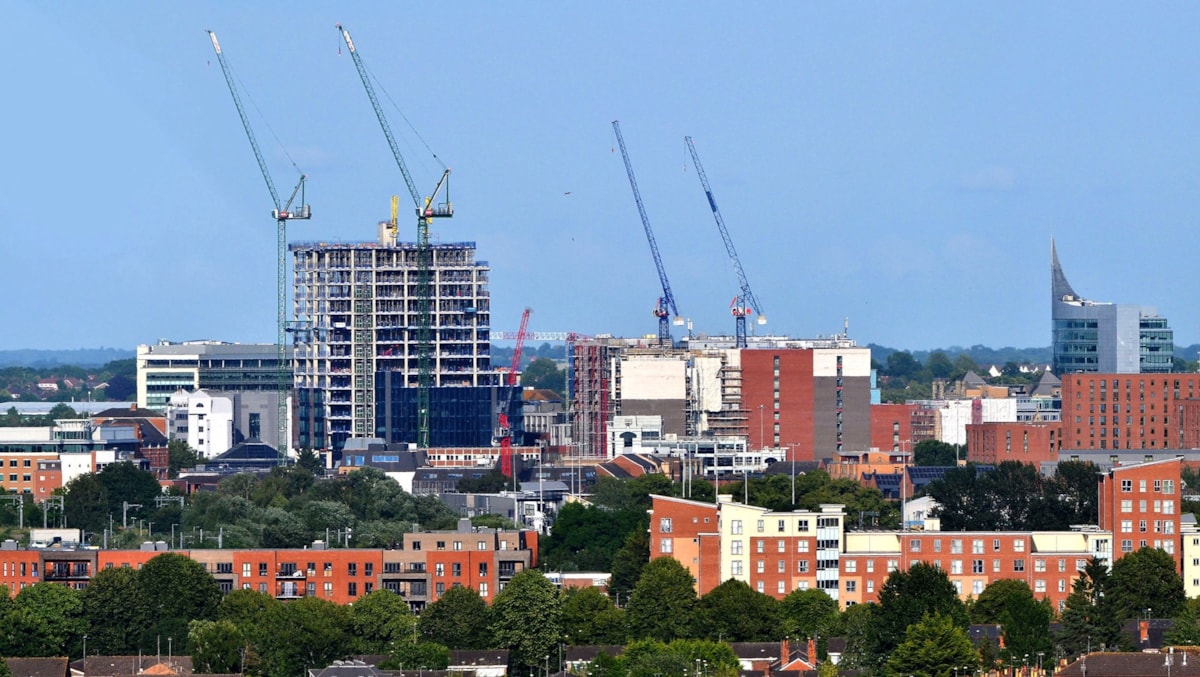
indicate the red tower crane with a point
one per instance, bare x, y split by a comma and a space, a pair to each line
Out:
506, 462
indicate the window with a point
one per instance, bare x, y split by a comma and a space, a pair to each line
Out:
440, 589
1018, 565
977, 546
996, 566
1126, 545
735, 568
1039, 585
481, 545
1018, 545
1039, 565
245, 570
735, 526
456, 569
761, 526
736, 547
758, 545
956, 546
851, 566
328, 569
1142, 526
1062, 563
760, 566
439, 569
1141, 486
262, 568
802, 525
976, 587
977, 566
851, 586
781, 566
956, 566
870, 587
352, 568
1127, 526
328, 589
1126, 506
781, 546
893, 565
1168, 486
802, 566
352, 589
665, 546
802, 546
368, 568
483, 589
782, 526
914, 545
458, 545
995, 545
870, 566
1062, 585
664, 525
761, 587
937, 545
1126, 486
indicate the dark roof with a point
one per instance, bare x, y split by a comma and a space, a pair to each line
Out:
756, 650
835, 645
122, 412
150, 435
477, 658
38, 667
352, 668
1156, 629
251, 453
111, 666
786, 467
614, 470
1134, 665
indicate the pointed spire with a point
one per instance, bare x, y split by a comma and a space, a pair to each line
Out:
1059, 287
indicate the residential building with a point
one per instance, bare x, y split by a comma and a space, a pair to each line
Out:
1140, 505
166, 367
892, 427
1031, 443
1130, 411
1108, 338
422, 567
357, 358
212, 422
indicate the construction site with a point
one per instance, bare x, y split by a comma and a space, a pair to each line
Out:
392, 347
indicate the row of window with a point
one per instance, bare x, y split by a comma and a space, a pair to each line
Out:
956, 545
1160, 526
1166, 507
1160, 486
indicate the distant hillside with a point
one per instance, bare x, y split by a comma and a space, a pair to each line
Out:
981, 355
81, 357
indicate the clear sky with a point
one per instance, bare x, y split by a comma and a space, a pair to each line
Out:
900, 164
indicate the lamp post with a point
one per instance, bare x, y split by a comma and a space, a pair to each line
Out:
1039, 655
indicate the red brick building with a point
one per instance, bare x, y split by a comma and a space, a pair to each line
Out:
1140, 505
1031, 443
1130, 411
688, 531
814, 402
892, 427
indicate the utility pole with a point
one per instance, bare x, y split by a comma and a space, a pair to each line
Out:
125, 506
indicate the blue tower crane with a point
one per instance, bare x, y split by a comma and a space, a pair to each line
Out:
665, 309
745, 303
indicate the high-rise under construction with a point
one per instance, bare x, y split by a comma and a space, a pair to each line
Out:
356, 360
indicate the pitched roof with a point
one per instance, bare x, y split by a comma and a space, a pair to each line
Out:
113, 666
1134, 664
38, 667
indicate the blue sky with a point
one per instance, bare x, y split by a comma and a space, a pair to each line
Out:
900, 164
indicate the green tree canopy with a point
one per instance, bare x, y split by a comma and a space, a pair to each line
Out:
525, 619
112, 612
904, 599
304, 633
735, 612
543, 373
459, 619
1143, 580
1090, 618
45, 620
934, 646
589, 617
808, 613
1025, 620
937, 453
174, 590
378, 619
215, 647
662, 602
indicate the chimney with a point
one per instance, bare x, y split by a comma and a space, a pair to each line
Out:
784, 651
812, 651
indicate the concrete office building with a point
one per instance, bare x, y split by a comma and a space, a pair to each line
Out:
1109, 338
357, 364
166, 367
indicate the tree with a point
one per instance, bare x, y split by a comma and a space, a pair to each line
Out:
458, 619
1146, 580
905, 598
935, 646
172, 591
525, 619
856, 624
587, 537
589, 617
246, 609
216, 647
417, 656
902, 364
1185, 630
86, 503
1075, 485
735, 612
111, 612
309, 460
491, 483
936, 453
1024, 619
46, 620
126, 483
378, 619
4, 669
180, 456
1089, 617
628, 562
305, 633
808, 613
939, 365
543, 373
662, 602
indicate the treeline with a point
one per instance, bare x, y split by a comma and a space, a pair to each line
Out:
1015, 496
287, 508
118, 377
919, 623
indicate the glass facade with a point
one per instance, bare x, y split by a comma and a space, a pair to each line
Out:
458, 416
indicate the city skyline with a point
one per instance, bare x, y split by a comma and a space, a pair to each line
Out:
905, 168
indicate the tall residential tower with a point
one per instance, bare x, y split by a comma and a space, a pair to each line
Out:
356, 362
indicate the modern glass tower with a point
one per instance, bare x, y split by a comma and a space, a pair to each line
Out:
1107, 338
